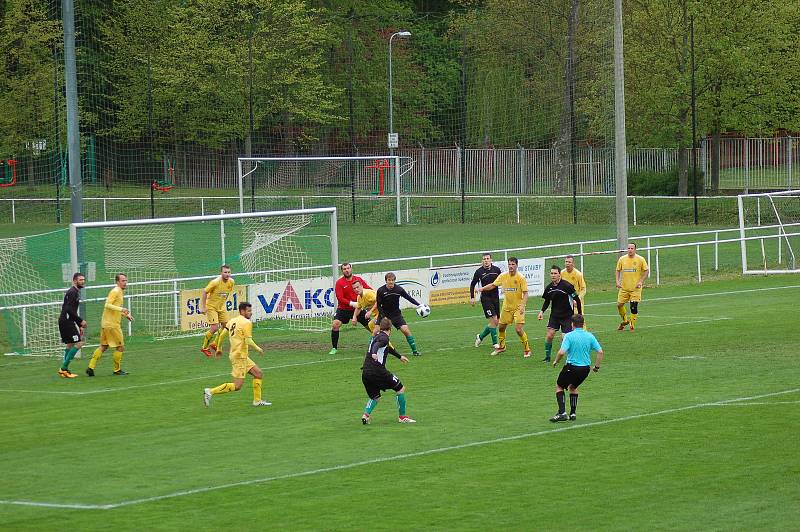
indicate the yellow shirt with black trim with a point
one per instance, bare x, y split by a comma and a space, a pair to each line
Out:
575, 278
366, 300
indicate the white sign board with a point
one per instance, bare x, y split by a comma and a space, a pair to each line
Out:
394, 140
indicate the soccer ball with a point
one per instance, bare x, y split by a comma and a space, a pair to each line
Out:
423, 311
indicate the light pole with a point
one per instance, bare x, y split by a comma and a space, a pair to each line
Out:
391, 140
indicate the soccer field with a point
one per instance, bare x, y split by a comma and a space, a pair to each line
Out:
688, 425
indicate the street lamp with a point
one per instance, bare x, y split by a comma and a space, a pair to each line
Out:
391, 140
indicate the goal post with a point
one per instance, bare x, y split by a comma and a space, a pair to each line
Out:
262, 177
284, 263
769, 231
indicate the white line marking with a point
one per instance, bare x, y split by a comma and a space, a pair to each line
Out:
765, 403
165, 383
427, 452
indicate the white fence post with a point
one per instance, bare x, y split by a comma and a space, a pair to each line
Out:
658, 270
716, 250
105, 211
634, 210
699, 275
517, 209
176, 302
13, 213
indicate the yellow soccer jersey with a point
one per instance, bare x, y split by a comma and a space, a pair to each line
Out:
240, 330
632, 270
366, 300
111, 317
575, 279
218, 291
513, 287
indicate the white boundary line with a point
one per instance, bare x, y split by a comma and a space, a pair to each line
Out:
352, 465
164, 383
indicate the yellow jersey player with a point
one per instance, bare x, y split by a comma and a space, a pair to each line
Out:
110, 328
212, 304
366, 306
241, 332
573, 276
632, 270
515, 297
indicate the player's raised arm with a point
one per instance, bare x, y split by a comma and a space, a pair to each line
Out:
407, 296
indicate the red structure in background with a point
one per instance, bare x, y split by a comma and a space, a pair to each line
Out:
13, 165
380, 165
164, 186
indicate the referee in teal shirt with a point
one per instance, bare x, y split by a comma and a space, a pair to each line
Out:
578, 346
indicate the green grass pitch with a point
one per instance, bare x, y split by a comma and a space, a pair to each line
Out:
690, 424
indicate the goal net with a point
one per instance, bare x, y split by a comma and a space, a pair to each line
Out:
371, 185
283, 262
29, 306
769, 226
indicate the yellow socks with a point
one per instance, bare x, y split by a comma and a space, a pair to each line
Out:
95, 358
524, 337
633, 320
256, 390
501, 335
225, 388
117, 360
621, 311
207, 339
223, 332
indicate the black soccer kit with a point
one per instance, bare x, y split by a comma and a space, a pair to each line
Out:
490, 299
69, 322
374, 374
388, 300
561, 295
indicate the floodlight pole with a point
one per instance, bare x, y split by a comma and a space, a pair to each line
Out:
391, 117
620, 153
391, 113
73, 125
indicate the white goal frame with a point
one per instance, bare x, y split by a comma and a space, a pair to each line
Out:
394, 160
783, 232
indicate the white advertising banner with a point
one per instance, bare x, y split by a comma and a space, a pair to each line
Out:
415, 283
300, 298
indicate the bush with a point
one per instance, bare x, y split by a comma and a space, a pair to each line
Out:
649, 183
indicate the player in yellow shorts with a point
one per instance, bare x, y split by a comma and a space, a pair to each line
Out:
515, 297
241, 332
110, 328
212, 304
632, 270
573, 276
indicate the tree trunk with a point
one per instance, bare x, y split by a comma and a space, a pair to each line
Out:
563, 146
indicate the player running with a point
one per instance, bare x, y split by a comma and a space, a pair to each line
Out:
241, 332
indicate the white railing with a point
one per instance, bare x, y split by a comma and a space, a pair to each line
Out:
652, 249
118, 208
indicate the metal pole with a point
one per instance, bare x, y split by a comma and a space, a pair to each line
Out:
391, 121
620, 155
73, 124
222, 235
397, 188
334, 250
694, 125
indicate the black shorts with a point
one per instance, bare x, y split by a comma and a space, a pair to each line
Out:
491, 306
572, 375
70, 331
565, 324
397, 320
344, 314
375, 381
